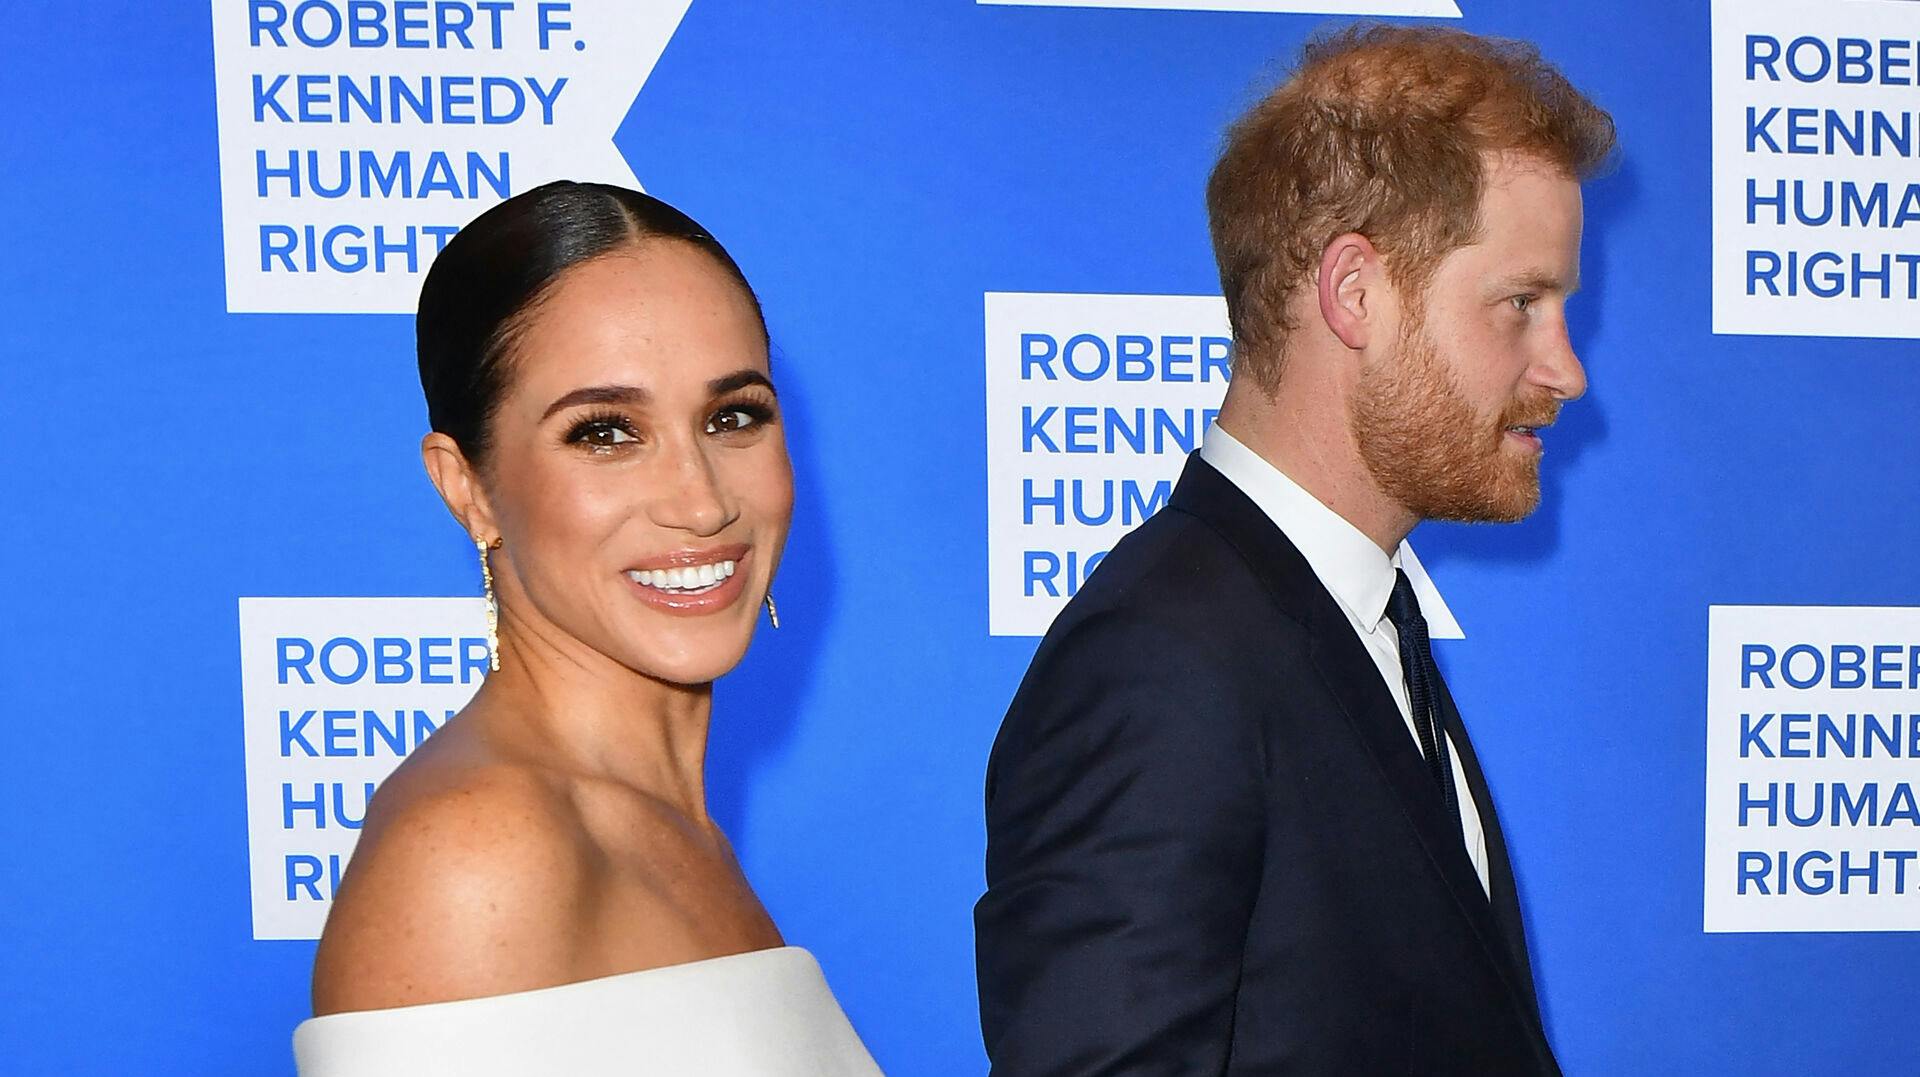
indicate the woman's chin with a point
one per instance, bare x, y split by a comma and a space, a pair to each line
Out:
693, 666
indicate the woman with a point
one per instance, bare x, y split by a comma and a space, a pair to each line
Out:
539, 888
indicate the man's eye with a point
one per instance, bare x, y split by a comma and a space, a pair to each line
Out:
731, 420
1521, 302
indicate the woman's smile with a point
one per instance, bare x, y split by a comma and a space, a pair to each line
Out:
692, 582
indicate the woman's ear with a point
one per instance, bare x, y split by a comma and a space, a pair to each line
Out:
459, 485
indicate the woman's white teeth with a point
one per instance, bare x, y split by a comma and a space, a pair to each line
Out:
691, 579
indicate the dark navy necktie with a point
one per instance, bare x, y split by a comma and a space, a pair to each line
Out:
1423, 689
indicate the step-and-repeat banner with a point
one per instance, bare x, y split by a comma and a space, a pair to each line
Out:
235, 604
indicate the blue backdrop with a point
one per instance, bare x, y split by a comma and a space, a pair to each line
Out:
876, 167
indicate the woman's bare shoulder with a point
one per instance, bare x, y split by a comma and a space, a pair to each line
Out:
466, 881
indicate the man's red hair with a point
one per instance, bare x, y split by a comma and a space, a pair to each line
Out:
1383, 131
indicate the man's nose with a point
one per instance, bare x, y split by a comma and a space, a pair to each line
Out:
1560, 370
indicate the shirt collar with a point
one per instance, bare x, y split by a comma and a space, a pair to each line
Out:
1354, 570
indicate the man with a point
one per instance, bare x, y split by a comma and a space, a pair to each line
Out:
1235, 824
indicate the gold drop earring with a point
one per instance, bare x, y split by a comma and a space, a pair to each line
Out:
493, 604
773, 611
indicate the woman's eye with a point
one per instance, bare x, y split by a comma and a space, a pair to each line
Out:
730, 421
604, 436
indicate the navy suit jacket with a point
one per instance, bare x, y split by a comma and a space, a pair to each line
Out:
1213, 848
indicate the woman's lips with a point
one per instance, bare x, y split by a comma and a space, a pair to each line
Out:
691, 582
736, 551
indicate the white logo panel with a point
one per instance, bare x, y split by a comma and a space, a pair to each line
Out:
335, 693
1093, 404
356, 138
1812, 742
1816, 208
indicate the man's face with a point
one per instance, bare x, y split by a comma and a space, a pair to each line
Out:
1448, 419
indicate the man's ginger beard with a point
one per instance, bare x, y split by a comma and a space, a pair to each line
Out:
1431, 451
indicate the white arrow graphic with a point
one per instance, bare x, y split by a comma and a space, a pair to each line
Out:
1445, 9
355, 138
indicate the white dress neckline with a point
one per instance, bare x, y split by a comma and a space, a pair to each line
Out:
763, 1012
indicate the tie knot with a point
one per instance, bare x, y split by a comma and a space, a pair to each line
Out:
1402, 606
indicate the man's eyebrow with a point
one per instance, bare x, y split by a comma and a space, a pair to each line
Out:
598, 394
1542, 281
740, 379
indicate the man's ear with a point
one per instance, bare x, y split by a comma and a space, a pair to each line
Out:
1348, 283
459, 485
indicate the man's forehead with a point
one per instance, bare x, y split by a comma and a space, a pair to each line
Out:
1502, 167
1528, 239
1517, 266
1538, 203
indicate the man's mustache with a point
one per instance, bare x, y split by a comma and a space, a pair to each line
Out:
1538, 412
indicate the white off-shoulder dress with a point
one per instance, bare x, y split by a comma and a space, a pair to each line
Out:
768, 1013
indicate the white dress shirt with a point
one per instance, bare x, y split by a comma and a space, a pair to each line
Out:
1358, 574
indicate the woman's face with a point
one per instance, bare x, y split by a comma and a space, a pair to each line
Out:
638, 473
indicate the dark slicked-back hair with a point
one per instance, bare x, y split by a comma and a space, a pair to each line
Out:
1383, 131
491, 275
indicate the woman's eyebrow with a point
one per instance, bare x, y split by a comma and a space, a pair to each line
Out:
598, 394
740, 379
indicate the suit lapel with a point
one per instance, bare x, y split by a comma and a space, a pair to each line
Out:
1351, 676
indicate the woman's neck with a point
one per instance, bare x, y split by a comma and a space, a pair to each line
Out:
572, 708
